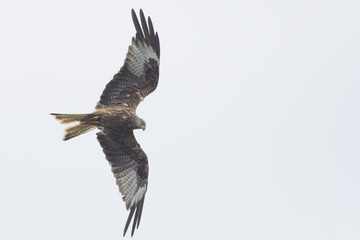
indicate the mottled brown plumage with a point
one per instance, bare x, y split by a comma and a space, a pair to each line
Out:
115, 116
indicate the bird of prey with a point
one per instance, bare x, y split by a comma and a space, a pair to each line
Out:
115, 117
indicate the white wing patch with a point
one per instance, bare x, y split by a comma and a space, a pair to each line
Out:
128, 182
138, 53
139, 194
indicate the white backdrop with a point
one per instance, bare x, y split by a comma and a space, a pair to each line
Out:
253, 132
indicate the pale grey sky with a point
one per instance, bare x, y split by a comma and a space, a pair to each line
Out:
253, 132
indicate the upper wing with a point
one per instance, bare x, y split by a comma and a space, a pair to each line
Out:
140, 72
129, 165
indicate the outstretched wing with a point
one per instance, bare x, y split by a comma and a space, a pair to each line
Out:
140, 73
129, 165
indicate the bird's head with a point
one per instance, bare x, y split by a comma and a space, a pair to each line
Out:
140, 123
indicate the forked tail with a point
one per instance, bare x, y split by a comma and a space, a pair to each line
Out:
85, 123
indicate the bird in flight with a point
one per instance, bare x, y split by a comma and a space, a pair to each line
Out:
115, 117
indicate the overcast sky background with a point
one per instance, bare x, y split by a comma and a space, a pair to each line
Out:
252, 133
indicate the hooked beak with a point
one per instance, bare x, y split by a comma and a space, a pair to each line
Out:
143, 127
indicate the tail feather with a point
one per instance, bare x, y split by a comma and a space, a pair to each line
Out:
74, 131
85, 123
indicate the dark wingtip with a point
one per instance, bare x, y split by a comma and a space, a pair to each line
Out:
137, 210
139, 32
132, 210
145, 27
136, 217
157, 44
145, 30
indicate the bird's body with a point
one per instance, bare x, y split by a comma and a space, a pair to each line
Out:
115, 116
